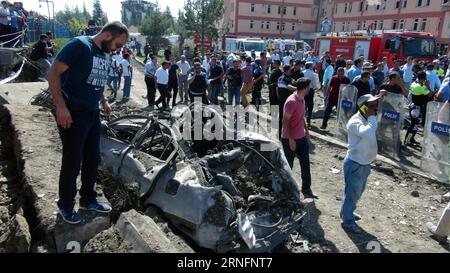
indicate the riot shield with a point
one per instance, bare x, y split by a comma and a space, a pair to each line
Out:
435, 148
346, 109
390, 119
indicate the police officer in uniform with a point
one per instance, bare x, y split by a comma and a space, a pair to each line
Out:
420, 96
198, 84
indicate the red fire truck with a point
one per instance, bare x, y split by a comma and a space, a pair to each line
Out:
391, 44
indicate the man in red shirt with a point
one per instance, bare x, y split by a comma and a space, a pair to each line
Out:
295, 134
333, 94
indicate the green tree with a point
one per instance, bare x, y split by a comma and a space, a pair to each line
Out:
74, 18
155, 26
202, 17
97, 13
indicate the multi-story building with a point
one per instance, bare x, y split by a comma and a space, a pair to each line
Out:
134, 11
273, 18
431, 16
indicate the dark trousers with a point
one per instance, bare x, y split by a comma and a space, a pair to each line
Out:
309, 101
81, 148
273, 94
119, 79
328, 110
173, 86
162, 88
256, 95
302, 153
151, 90
5, 30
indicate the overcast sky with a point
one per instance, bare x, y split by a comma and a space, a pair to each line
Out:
111, 7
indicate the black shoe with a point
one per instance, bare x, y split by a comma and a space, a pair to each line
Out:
309, 194
323, 127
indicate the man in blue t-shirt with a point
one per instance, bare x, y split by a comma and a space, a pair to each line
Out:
77, 80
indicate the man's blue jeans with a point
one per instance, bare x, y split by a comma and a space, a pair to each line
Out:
355, 176
127, 87
215, 91
113, 80
80, 149
234, 91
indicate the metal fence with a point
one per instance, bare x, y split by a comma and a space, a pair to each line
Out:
36, 27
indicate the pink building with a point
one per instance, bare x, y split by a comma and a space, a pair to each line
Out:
273, 18
414, 15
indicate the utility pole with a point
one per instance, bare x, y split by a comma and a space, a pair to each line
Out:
53, 18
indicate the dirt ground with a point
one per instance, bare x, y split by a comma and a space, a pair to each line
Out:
392, 217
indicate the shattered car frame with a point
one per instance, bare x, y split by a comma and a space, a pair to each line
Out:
236, 199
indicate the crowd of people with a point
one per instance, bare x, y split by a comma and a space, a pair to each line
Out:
13, 21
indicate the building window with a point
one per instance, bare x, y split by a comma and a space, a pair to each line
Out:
267, 25
268, 9
405, 3
251, 24
279, 9
278, 25
378, 6
375, 24
381, 24
423, 26
428, 3
343, 26
335, 8
364, 25
295, 11
283, 26
252, 7
358, 25
345, 7
416, 24
284, 10
361, 6
350, 5
262, 24
402, 24
293, 26
334, 27
383, 5
419, 3
367, 6
397, 4
394, 24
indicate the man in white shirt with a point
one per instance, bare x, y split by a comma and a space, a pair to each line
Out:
315, 85
386, 67
5, 22
162, 80
185, 67
205, 64
362, 151
287, 59
127, 71
408, 71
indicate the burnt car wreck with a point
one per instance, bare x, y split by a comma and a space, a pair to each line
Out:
225, 195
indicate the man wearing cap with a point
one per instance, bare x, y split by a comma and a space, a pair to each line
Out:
333, 94
295, 134
362, 151
315, 85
